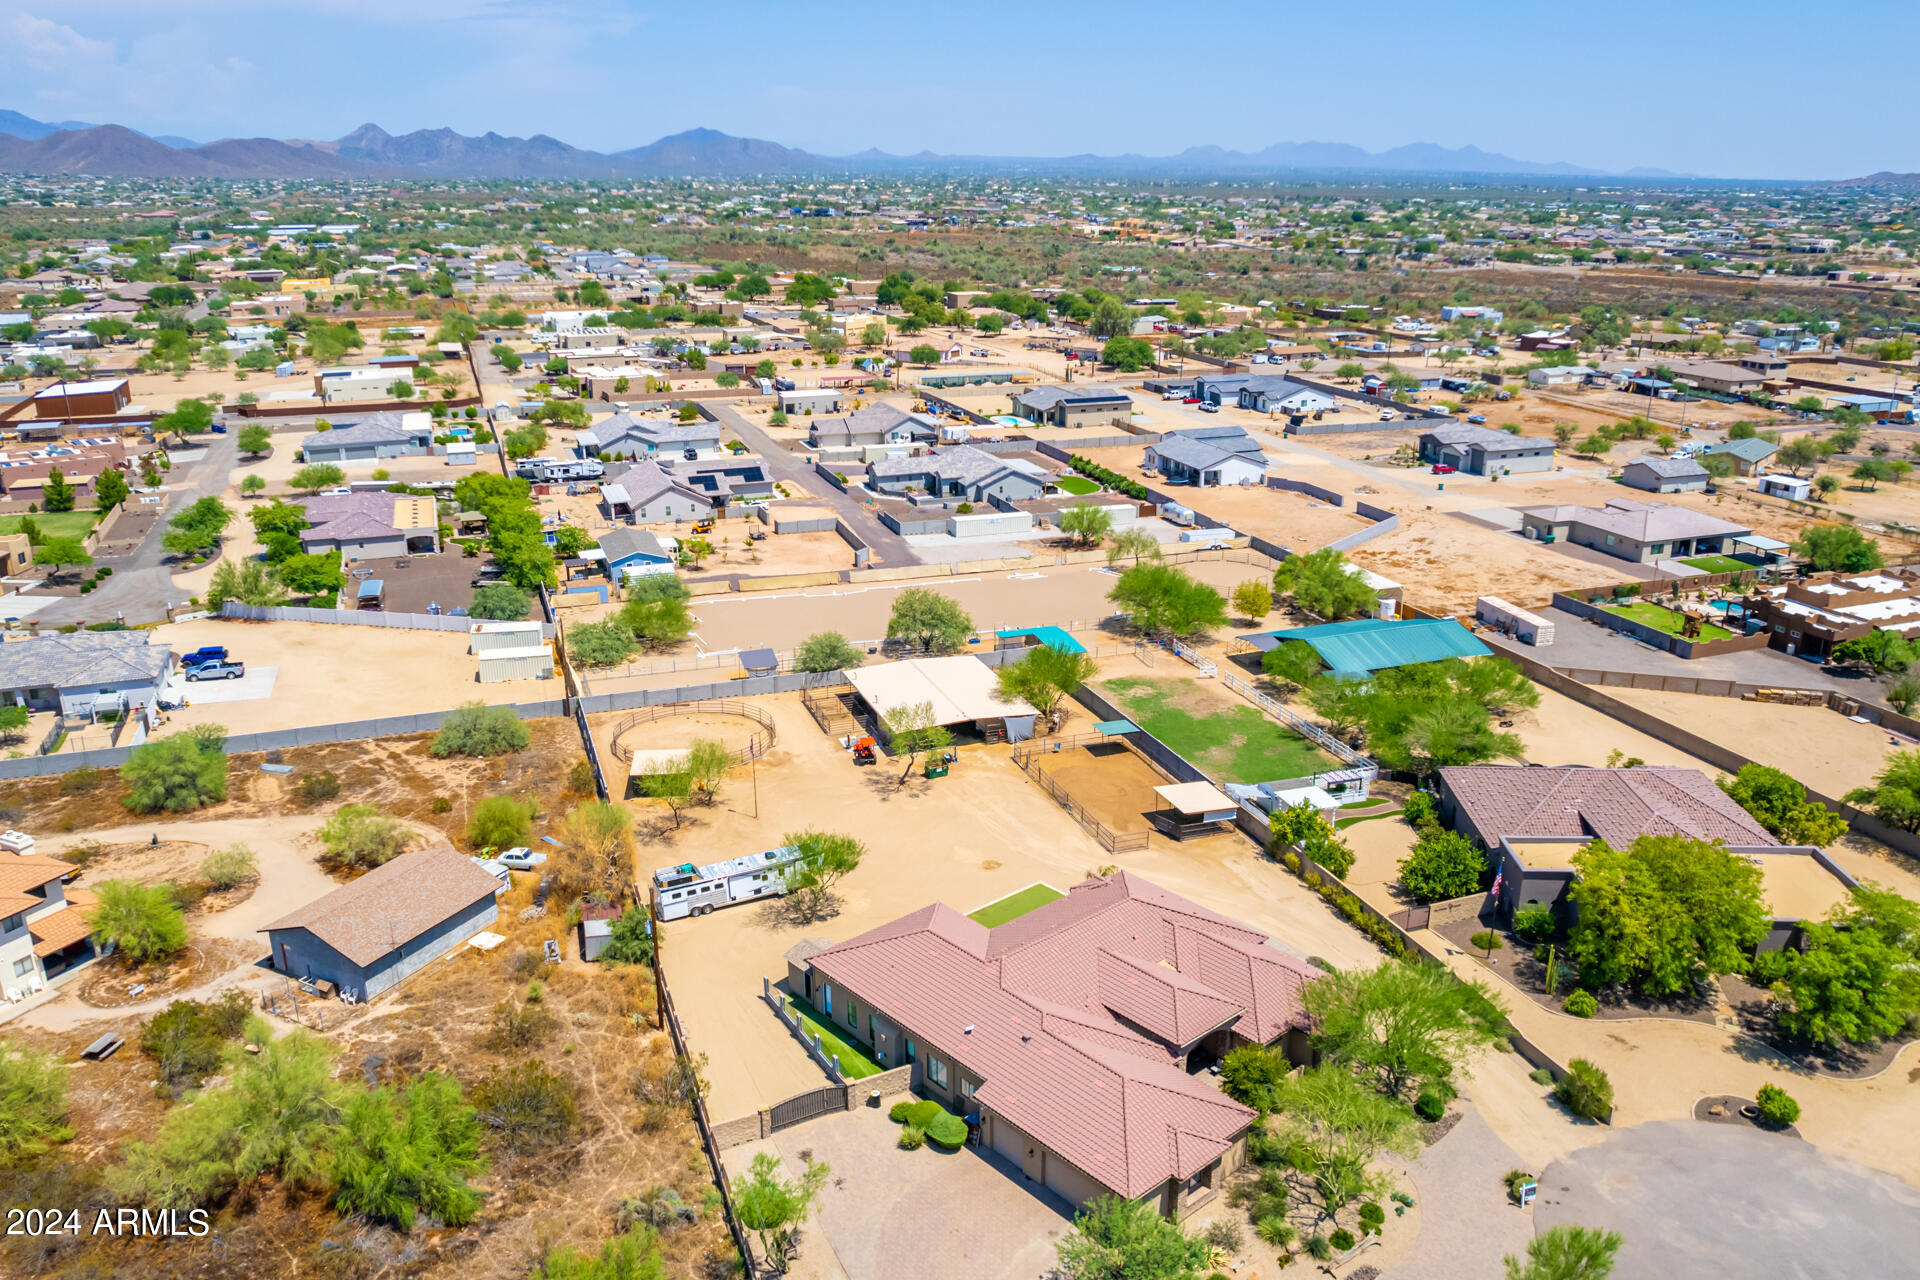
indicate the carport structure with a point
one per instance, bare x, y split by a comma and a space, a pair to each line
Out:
1193, 808
961, 690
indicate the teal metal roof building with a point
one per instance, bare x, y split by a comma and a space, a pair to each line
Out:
1032, 637
1366, 645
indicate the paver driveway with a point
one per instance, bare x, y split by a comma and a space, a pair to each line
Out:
928, 1214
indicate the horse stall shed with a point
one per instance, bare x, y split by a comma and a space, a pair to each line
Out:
521, 662
1512, 620
486, 637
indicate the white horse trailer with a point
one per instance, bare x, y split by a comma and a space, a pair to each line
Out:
689, 890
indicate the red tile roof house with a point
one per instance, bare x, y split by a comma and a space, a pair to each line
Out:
1076, 1031
1533, 820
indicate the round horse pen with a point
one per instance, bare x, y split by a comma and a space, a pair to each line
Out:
743, 728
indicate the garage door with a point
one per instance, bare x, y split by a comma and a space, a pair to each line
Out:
1008, 1140
1069, 1183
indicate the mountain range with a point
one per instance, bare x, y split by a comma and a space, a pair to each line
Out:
72, 147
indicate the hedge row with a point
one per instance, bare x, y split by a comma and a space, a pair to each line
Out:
1111, 479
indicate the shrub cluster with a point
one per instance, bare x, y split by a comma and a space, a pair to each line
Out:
1582, 1004
1777, 1107
1107, 477
931, 1121
1585, 1090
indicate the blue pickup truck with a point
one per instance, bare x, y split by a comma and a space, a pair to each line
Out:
204, 655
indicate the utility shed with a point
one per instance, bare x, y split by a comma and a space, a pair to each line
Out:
366, 936
487, 636
526, 662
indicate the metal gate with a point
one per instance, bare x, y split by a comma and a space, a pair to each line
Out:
805, 1106
1412, 918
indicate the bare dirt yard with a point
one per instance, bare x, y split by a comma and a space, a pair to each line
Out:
1822, 748
1445, 562
1293, 520
326, 673
777, 553
596, 1027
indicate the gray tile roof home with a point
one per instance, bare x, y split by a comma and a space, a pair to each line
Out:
644, 481
1231, 439
1752, 449
380, 428
962, 464
620, 544
354, 526
392, 904
1200, 454
622, 426
1489, 439
1641, 521
1615, 805
1671, 468
1074, 1017
1048, 397
83, 658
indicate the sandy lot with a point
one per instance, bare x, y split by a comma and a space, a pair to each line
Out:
1290, 519
1822, 748
777, 553
328, 674
1445, 562
1562, 731
974, 836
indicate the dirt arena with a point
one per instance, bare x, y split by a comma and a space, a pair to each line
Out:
1110, 781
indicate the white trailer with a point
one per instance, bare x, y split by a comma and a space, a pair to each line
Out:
1512, 620
689, 890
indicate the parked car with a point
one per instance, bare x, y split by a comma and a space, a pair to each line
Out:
219, 428
1444, 468
1190, 400
521, 858
1209, 407
1388, 415
1478, 419
206, 653
221, 670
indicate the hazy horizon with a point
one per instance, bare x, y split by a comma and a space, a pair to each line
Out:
588, 72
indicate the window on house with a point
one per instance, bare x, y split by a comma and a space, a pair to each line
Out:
937, 1072
23, 966
826, 1003
967, 1088
13, 922
910, 1051
853, 1013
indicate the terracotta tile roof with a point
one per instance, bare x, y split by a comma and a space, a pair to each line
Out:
57, 930
1617, 805
1073, 1015
392, 904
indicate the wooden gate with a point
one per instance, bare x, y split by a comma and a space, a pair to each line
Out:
805, 1106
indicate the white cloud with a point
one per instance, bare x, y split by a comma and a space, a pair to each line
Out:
49, 46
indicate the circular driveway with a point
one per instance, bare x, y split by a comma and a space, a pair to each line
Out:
1713, 1200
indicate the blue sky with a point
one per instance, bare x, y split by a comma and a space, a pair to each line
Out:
1763, 89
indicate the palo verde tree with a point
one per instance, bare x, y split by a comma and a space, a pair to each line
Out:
1046, 677
823, 859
